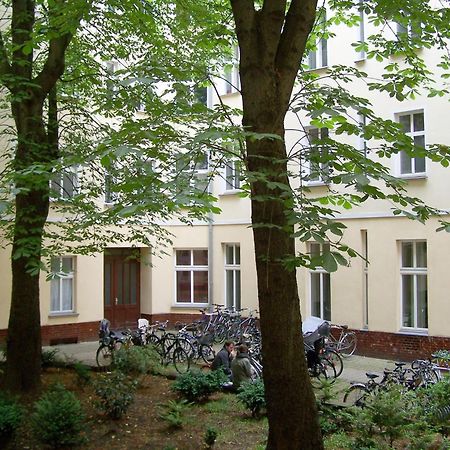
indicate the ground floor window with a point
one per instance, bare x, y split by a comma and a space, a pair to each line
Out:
61, 291
191, 272
320, 286
414, 284
233, 276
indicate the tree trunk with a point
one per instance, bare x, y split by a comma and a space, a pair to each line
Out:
272, 39
291, 405
23, 365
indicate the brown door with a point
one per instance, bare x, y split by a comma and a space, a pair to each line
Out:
122, 287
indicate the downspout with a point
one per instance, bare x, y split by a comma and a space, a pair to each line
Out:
210, 219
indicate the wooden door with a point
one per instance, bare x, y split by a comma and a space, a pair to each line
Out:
122, 287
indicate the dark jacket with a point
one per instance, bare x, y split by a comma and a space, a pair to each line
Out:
241, 369
222, 361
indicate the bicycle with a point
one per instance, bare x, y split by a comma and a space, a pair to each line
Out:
110, 342
345, 343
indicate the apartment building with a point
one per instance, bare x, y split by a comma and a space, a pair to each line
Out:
395, 297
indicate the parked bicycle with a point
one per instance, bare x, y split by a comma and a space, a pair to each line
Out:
110, 341
343, 341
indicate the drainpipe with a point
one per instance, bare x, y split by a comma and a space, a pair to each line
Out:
210, 219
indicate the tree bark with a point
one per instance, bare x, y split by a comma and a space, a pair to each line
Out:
23, 364
271, 44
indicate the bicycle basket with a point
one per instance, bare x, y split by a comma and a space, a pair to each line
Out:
205, 339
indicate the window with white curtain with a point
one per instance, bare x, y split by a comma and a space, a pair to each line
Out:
62, 284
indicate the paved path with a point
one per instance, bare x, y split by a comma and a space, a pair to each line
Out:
355, 367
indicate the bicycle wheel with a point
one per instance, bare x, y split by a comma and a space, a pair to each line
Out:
356, 395
207, 353
181, 360
347, 346
168, 345
335, 360
329, 368
318, 374
220, 333
186, 345
104, 356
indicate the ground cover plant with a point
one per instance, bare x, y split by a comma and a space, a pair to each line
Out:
155, 417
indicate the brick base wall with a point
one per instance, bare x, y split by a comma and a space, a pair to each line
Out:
398, 346
65, 334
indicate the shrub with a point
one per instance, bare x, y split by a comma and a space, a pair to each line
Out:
137, 360
58, 418
197, 386
83, 373
252, 396
50, 358
116, 393
210, 437
11, 414
172, 412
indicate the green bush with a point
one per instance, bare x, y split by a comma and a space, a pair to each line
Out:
197, 386
83, 373
210, 437
50, 358
252, 396
58, 418
137, 360
116, 393
11, 414
172, 412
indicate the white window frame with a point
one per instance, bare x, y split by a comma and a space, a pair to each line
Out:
318, 58
322, 274
232, 176
59, 277
412, 134
232, 81
413, 272
192, 269
307, 166
235, 268
58, 178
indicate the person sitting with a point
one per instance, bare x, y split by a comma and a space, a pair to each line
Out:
241, 368
223, 359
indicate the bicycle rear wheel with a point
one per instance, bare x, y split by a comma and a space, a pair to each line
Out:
347, 346
207, 353
335, 360
181, 360
356, 395
104, 356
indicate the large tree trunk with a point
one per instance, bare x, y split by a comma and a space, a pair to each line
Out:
272, 42
23, 365
293, 420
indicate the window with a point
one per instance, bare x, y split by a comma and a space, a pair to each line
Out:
414, 289
111, 195
233, 276
232, 81
318, 57
317, 170
191, 272
320, 285
232, 175
62, 284
192, 176
408, 30
111, 79
413, 125
64, 184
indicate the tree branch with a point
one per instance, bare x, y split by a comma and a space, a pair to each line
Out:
5, 66
22, 22
299, 22
54, 65
272, 18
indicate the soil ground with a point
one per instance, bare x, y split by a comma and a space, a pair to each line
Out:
142, 427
